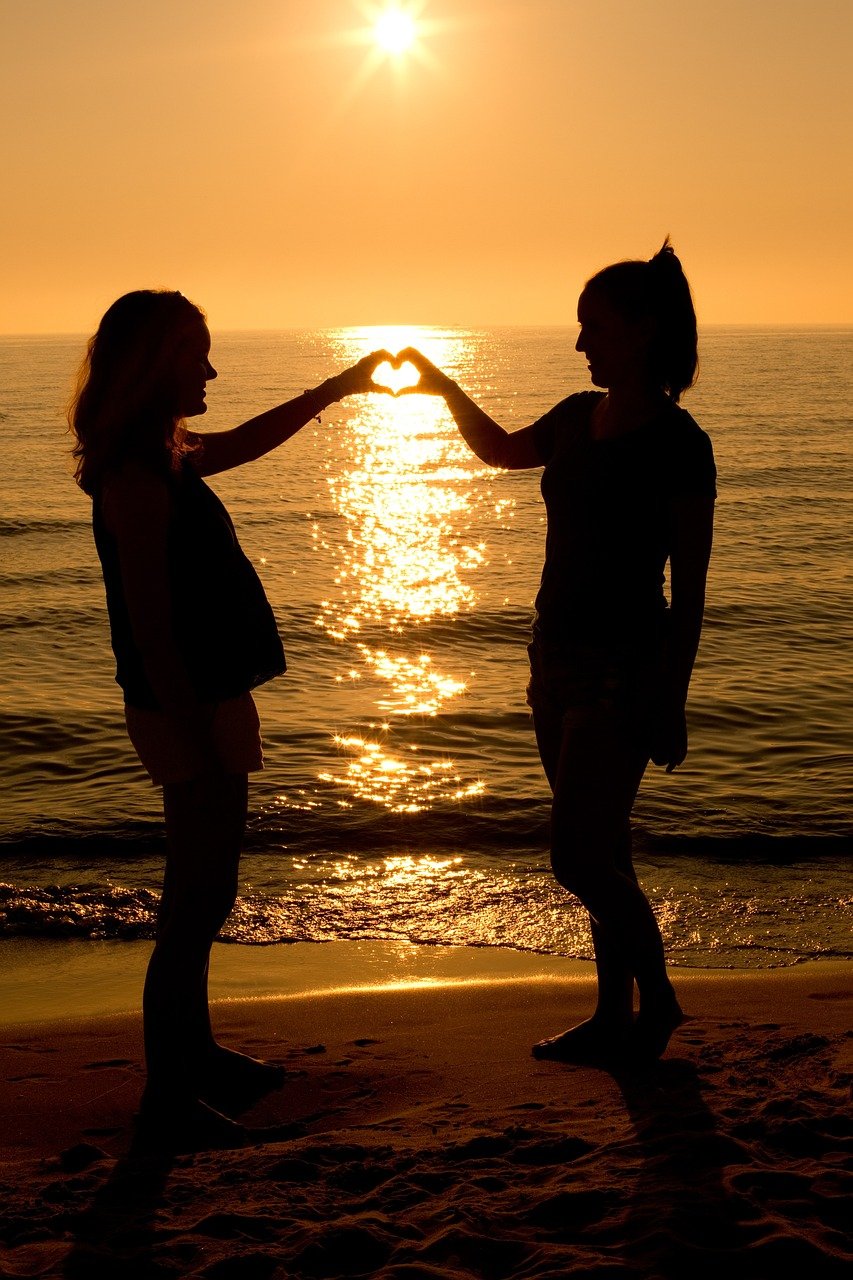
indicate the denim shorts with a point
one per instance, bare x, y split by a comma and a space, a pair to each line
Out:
169, 756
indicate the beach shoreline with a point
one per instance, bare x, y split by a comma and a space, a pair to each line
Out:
47, 980
44, 980
422, 1139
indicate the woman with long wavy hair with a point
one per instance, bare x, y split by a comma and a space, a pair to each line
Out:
192, 634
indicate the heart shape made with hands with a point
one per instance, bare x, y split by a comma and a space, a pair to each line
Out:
396, 374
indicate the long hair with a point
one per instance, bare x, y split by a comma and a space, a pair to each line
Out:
657, 290
124, 407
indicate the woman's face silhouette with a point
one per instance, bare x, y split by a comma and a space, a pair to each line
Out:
192, 370
616, 348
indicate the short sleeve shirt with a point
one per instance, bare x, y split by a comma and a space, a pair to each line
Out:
610, 516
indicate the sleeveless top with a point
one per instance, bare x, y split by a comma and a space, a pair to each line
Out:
223, 625
609, 533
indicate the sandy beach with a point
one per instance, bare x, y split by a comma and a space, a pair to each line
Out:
415, 1136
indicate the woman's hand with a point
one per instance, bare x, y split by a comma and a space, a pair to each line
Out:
432, 381
359, 377
669, 735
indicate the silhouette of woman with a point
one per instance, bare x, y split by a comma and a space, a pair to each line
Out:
192, 633
629, 483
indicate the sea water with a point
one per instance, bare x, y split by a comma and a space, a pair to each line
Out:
403, 798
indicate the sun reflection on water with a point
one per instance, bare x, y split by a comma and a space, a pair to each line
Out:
414, 899
417, 688
405, 497
403, 558
403, 785
404, 485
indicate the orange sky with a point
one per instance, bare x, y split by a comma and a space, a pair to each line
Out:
261, 156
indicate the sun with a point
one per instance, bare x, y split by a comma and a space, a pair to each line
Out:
395, 31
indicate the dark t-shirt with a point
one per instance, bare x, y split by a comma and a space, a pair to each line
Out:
609, 505
222, 622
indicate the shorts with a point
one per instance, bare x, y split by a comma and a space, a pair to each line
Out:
568, 685
169, 756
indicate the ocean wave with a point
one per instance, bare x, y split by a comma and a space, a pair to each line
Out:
774, 848
12, 528
482, 628
504, 827
84, 576
434, 902
40, 616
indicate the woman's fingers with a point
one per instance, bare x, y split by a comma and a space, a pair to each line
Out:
432, 381
369, 364
669, 738
359, 377
411, 355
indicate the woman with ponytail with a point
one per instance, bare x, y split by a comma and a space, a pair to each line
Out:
193, 635
629, 486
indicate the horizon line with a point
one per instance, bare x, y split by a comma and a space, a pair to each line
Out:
402, 324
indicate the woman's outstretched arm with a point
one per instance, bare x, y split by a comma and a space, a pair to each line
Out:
513, 450
221, 450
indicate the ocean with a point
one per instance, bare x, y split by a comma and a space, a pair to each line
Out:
403, 799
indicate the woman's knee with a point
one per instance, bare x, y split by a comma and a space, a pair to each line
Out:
588, 840
197, 915
571, 853
586, 855
576, 874
215, 902
209, 810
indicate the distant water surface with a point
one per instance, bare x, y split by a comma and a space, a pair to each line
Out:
403, 797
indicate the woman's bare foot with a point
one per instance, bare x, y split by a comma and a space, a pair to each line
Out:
589, 1042
654, 1026
231, 1079
231, 1065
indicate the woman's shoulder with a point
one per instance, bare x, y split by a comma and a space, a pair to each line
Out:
689, 450
568, 419
575, 407
578, 406
680, 427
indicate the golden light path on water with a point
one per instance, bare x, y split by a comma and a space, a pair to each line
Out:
436, 899
404, 488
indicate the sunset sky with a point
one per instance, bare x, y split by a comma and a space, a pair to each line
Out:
271, 160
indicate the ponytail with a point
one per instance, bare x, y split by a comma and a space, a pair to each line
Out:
675, 348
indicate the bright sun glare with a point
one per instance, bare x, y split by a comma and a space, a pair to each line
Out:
395, 31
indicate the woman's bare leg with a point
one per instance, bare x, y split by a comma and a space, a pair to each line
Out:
205, 824
596, 779
205, 821
614, 1011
